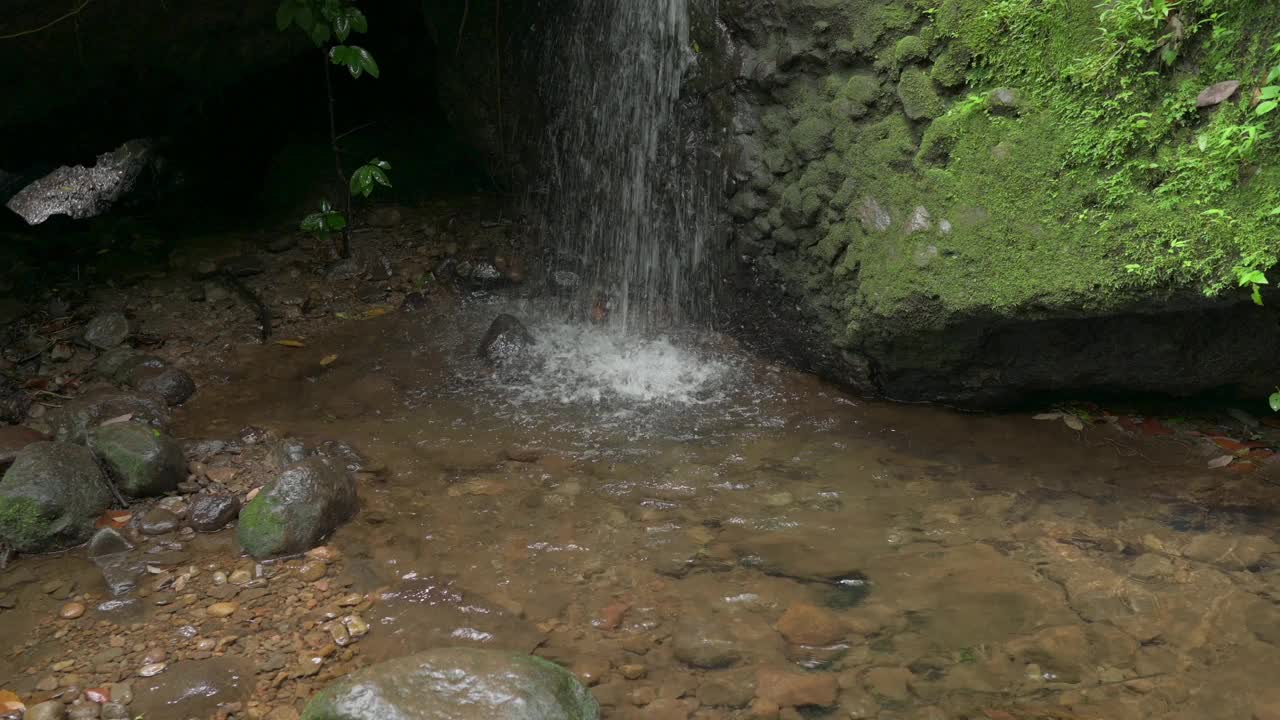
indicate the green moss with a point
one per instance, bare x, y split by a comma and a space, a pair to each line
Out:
23, 524
919, 97
261, 530
951, 66
811, 137
910, 49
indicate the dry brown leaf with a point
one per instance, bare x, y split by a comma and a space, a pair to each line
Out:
291, 343
1222, 461
328, 360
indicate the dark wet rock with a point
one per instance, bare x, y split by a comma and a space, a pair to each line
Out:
565, 281
112, 361
173, 385
131, 366
457, 684
705, 643
1217, 93
14, 401
84, 192
203, 449
194, 688
107, 542
107, 330
242, 266
288, 451
51, 497
282, 243
73, 421
506, 340
158, 522
13, 438
210, 513
415, 302
143, 461
298, 509
121, 573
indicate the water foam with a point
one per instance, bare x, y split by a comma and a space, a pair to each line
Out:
580, 364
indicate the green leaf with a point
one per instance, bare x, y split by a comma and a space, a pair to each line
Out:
1275, 401
1252, 277
342, 27
379, 176
1267, 107
312, 223
335, 221
366, 60
1271, 92
387, 166
320, 34
358, 21
285, 13
303, 17
1257, 295
325, 206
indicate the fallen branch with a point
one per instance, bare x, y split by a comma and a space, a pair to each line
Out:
70, 14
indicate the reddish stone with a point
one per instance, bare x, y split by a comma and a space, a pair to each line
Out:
13, 438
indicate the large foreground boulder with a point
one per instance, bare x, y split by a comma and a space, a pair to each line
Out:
51, 497
144, 461
294, 512
73, 421
456, 684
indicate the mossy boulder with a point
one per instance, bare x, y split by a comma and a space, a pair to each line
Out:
920, 99
144, 461
811, 137
456, 684
910, 49
51, 497
294, 512
74, 420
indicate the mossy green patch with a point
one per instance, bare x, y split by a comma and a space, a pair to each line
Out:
920, 99
262, 529
23, 524
910, 49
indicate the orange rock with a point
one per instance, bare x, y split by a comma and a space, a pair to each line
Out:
789, 689
611, 615
805, 624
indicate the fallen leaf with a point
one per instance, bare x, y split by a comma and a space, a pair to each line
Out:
1151, 426
342, 316
1048, 416
116, 519
9, 702
328, 360
1073, 422
117, 419
1222, 461
252, 494
1228, 444
376, 312
291, 343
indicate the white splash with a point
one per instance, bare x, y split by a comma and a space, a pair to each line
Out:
576, 364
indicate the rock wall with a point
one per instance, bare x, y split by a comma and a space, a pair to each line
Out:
922, 208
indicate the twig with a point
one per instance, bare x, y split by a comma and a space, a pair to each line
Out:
354, 130
67, 16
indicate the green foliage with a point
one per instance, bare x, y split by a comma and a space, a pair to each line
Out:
367, 176
324, 222
354, 58
321, 20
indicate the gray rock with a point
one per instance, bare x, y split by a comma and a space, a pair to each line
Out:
81, 192
920, 221
1217, 93
507, 340
159, 522
873, 215
171, 384
51, 497
107, 330
1004, 101
115, 711
111, 362
73, 421
298, 509
704, 644
415, 302
456, 684
108, 542
210, 513
48, 710
120, 573
565, 280
144, 461
289, 451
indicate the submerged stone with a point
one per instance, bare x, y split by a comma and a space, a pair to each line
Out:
194, 688
298, 509
457, 684
51, 497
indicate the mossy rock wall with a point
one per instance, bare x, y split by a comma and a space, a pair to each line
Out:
973, 201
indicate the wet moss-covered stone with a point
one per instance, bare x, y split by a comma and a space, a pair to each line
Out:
910, 49
919, 97
456, 684
144, 461
51, 497
294, 512
74, 420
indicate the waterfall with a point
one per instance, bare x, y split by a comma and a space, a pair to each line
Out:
625, 198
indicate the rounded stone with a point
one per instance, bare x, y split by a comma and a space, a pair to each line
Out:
144, 461
210, 513
71, 611
51, 497
107, 330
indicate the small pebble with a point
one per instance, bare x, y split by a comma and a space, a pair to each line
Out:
222, 609
151, 670
71, 611
312, 571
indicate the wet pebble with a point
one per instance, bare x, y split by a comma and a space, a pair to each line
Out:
151, 670
158, 522
71, 611
705, 644
805, 624
240, 577
222, 609
51, 710
115, 711
210, 513
311, 571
